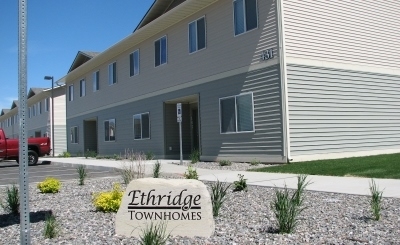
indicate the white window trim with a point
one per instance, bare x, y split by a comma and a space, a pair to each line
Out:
246, 31
205, 35
95, 82
115, 132
138, 72
116, 77
141, 124
71, 93
82, 92
220, 119
166, 51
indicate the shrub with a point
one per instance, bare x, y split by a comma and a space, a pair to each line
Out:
195, 156
255, 162
108, 201
287, 208
157, 170
240, 184
225, 163
12, 200
218, 193
154, 234
191, 173
150, 155
376, 199
51, 226
65, 154
49, 185
91, 154
133, 166
82, 172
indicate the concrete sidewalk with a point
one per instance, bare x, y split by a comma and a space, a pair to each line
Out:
348, 185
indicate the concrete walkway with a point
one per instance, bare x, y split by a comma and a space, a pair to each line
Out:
348, 185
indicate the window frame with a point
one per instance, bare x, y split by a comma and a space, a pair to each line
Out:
245, 18
141, 126
96, 80
72, 132
46, 104
197, 38
236, 113
71, 92
109, 135
39, 104
166, 51
114, 73
132, 63
82, 87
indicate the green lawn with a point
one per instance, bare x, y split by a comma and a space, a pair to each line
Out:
381, 166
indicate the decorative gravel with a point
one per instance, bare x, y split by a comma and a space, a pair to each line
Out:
246, 218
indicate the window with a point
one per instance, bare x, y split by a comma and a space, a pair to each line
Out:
197, 35
112, 73
109, 130
96, 81
134, 63
39, 107
71, 93
245, 15
82, 88
160, 51
34, 110
29, 112
46, 104
236, 113
74, 135
141, 126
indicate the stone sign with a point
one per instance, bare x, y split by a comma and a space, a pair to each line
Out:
183, 205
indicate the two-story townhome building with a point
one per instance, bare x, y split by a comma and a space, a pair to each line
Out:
39, 121
273, 80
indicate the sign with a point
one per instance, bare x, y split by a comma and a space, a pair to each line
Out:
267, 54
184, 206
179, 110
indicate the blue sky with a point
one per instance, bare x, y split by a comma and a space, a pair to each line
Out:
57, 30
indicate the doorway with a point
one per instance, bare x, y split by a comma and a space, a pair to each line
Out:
90, 135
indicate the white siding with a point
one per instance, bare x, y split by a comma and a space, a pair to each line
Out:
363, 32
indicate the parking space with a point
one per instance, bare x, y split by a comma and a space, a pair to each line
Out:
9, 172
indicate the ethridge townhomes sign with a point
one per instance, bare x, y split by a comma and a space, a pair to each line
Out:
183, 205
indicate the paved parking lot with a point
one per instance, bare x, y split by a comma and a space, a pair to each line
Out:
9, 172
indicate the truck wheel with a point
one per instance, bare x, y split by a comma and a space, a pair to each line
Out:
32, 157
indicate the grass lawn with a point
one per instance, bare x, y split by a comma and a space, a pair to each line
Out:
381, 166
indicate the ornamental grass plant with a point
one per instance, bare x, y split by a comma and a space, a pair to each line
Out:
11, 203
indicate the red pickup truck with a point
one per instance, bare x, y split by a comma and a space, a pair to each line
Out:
37, 147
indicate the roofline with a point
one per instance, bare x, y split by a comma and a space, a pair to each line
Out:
144, 16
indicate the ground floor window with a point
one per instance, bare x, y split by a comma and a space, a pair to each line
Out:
141, 126
236, 113
109, 130
74, 135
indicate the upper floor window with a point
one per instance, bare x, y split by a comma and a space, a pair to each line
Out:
134, 63
141, 126
245, 15
70, 92
197, 35
34, 110
82, 88
46, 104
96, 81
109, 130
236, 113
112, 73
160, 51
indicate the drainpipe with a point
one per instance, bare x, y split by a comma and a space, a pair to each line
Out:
283, 75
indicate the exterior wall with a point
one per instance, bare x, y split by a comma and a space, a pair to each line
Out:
340, 113
358, 32
264, 144
223, 53
60, 130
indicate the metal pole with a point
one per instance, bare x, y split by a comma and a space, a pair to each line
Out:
23, 141
52, 115
180, 140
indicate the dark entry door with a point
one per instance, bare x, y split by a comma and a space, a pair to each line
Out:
195, 129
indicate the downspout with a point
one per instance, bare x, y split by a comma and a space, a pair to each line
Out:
283, 75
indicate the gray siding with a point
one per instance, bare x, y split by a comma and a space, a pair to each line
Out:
264, 144
223, 53
363, 32
336, 111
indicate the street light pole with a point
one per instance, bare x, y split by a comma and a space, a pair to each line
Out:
52, 111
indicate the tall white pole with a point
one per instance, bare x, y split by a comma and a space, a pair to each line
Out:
23, 141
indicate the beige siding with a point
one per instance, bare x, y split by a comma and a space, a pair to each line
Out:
224, 52
362, 32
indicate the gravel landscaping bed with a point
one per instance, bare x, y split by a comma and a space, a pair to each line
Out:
245, 218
